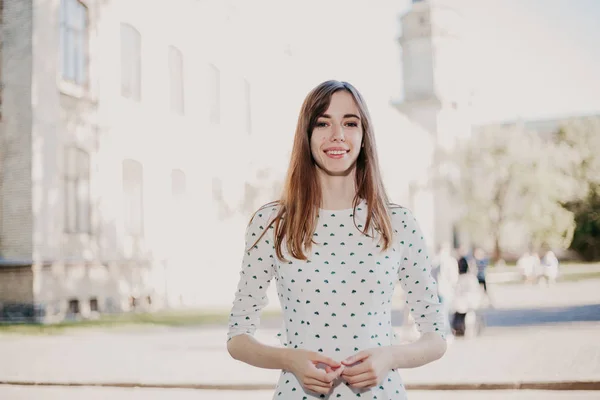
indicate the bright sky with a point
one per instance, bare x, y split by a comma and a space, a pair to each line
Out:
528, 58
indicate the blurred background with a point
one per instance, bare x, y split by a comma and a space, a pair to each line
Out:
138, 137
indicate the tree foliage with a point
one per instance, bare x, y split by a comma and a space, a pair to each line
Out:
509, 176
579, 140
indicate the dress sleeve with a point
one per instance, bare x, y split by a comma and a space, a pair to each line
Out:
258, 268
414, 274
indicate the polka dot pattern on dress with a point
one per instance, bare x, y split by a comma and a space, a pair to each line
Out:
338, 302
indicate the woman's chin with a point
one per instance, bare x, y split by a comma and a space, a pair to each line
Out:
345, 171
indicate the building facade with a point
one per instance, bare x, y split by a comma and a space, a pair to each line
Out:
436, 99
119, 126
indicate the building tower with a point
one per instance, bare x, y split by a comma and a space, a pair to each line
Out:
436, 98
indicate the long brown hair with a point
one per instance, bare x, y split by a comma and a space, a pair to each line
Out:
296, 219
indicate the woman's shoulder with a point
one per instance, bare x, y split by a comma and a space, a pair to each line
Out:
266, 213
401, 217
398, 211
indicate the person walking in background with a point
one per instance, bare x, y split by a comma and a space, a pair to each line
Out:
445, 272
467, 300
482, 262
336, 247
525, 265
550, 267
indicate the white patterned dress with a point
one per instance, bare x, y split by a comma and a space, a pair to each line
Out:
339, 301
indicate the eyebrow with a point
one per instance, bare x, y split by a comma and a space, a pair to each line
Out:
345, 116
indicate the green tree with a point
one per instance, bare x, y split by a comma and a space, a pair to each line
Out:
508, 177
579, 140
586, 239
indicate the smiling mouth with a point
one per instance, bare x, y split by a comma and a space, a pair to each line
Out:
336, 152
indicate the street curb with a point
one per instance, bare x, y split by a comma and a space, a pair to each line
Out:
560, 385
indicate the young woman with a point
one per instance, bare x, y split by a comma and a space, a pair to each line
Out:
336, 248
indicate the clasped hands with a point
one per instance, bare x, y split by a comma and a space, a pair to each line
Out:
363, 370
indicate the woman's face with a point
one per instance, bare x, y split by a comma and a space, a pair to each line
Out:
337, 137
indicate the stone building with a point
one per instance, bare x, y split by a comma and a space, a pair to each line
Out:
118, 129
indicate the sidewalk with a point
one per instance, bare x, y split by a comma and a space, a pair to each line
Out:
512, 274
197, 357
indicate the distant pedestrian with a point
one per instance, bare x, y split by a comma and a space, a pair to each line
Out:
549, 267
526, 267
465, 260
445, 272
481, 262
467, 300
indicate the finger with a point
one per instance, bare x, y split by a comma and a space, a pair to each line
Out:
331, 374
365, 384
357, 357
334, 374
357, 369
320, 375
316, 382
357, 379
318, 358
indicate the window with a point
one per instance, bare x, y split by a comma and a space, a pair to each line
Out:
176, 80
133, 197
73, 307
215, 94
247, 106
178, 183
94, 304
131, 62
74, 41
77, 191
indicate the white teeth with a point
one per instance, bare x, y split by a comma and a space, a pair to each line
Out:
336, 152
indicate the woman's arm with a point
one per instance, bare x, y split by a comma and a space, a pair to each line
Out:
257, 270
247, 349
421, 292
430, 347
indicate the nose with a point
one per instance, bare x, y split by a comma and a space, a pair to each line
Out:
337, 134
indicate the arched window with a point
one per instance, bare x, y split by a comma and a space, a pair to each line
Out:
176, 80
247, 106
131, 62
214, 94
178, 184
77, 191
74, 41
133, 194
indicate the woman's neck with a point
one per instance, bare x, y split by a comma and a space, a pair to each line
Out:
337, 192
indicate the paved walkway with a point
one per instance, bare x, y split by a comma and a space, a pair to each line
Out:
535, 351
198, 356
511, 274
54, 393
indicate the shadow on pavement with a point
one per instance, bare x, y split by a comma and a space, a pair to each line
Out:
507, 317
535, 316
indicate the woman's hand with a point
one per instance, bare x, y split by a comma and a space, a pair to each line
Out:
303, 364
373, 366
